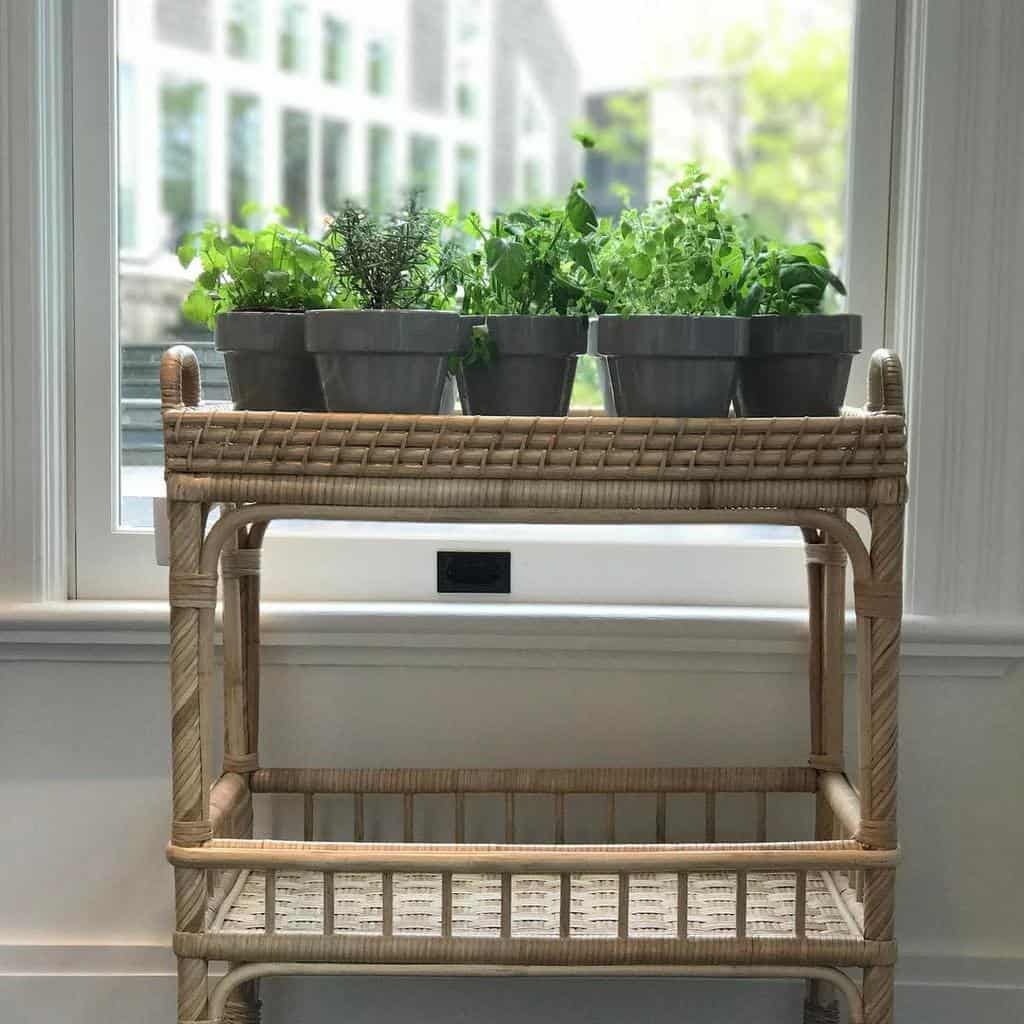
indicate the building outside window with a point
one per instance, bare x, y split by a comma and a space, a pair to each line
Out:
243, 29
183, 171
335, 50
127, 188
380, 168
296, 148
379, 67
334, 163
292, 39
244, 153
467, 178
425, 168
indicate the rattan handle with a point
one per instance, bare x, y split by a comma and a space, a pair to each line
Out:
180, 383
885, 382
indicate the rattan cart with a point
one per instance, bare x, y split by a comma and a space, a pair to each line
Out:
811, 909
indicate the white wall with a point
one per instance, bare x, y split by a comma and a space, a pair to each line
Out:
84, 795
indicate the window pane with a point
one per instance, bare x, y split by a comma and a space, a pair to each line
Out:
296, 144
378, 67
466, 171
334, 163
335, 56
127, 187
380, 186
243, 29
425, 169
292, 41
183, 171
470, 102
244, 154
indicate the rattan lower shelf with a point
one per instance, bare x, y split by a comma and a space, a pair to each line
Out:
810, 908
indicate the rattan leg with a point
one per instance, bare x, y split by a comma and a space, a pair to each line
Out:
879, 983
243, 1006
820, 1006
192, 990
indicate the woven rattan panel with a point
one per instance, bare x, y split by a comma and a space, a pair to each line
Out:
476, 905
217, 441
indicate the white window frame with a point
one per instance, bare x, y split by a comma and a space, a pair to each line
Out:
550, 564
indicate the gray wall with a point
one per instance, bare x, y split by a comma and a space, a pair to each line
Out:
84, 795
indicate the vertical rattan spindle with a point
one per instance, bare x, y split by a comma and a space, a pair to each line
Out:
623, 905
387, 904
565, 906
710, 817
762, 816
357, 817
741, 904
328, 903
270, 901
682, 904
661, 818
308, 817
446, 904
610, 818
408, 817
460, 817
506, 906
559, 818
800, 906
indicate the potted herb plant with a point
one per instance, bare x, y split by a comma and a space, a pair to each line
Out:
799, 358
391, 353
670, 337
527, 292
252, 290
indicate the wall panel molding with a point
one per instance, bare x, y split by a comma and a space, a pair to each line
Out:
954, 303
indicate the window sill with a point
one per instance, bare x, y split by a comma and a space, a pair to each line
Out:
482, 635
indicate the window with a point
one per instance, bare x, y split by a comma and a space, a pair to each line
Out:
335, 50
467, 171
127, 190
425, 168
183, 170
759, 92
379, 70
334, 163
291, 40
243, 29
296, 147
380, 184
465, 99
244, 153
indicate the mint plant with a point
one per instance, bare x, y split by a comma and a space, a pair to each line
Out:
398, 262
274, 268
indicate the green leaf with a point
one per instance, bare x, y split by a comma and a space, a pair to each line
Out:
186, 254
582, 255
810, 251
640, 266
580, 213
507, 261
198, 306
702, 270
585, 139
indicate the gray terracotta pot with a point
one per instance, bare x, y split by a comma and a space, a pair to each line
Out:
534, 370
391, 360
266, 361
662, 365
797, 365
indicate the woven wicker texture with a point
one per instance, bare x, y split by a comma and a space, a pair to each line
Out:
476, 905
216, 440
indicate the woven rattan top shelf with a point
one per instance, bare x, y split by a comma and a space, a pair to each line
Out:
213, 453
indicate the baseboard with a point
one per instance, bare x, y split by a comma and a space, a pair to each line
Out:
129, 984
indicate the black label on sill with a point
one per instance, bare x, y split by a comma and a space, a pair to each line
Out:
474, 572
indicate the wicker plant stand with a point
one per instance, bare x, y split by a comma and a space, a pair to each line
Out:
811, 909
